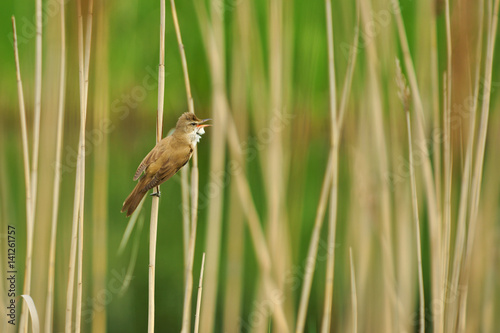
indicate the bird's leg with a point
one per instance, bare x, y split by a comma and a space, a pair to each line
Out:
157, 193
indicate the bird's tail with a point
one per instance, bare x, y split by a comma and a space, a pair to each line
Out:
135, 197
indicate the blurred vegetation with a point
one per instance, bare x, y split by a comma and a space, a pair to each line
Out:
133, 62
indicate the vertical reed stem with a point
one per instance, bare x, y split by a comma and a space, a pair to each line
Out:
27, 179
417, 228
354, 299
330, 264
57, 176
155, 201
23, 323
198, 302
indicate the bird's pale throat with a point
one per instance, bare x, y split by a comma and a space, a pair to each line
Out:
197, 133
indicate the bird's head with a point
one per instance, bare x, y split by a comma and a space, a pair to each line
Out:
189, 124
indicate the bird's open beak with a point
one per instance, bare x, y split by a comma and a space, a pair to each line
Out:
201, 125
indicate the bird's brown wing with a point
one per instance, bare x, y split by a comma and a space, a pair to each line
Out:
170, 167
151, 157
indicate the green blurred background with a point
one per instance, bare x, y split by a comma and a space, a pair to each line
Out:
133, 35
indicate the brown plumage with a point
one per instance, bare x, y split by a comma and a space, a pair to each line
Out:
166, 158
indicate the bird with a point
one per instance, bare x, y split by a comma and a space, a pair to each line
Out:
167, 157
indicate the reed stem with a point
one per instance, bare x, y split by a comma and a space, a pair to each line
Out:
27, 179
155, 201
200, 290
57, 176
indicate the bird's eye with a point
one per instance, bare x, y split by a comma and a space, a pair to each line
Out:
193, 124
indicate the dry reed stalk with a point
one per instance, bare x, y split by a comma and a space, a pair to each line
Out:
434, 214
101, 175
84, 56
313, 245
405, 97
235, 239
436, 122
79, 281
354, 298
38, 103
27, 178
346, 89
198, 302
407, 267
330, 264
277, 231
152, 259
186, 218
484, 276
478, 163
438, 324
191, 230
33, 313
215, 52
23, 323
417, 227
78, 181
259, 94
274, 167
78, 209
389, 311
363, 239
188, 287
465, 183
412, 79
155, 200
183, 57
72, 254
279, 150
235, 259
57, 176
313, 248
252, 58
254, 225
